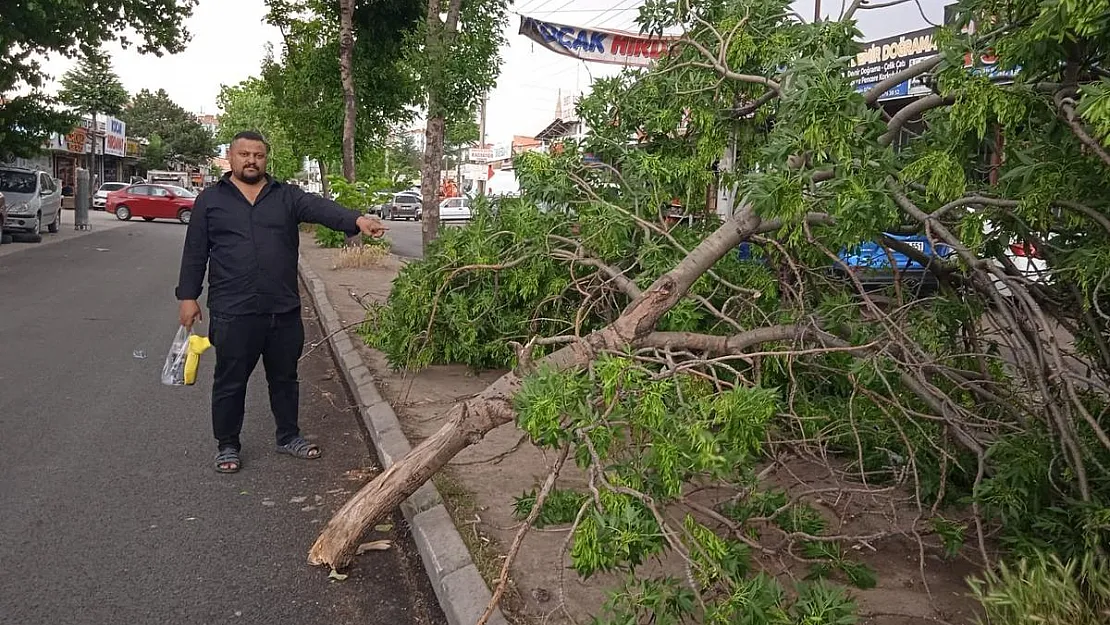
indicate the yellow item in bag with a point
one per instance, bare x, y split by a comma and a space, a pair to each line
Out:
197, 346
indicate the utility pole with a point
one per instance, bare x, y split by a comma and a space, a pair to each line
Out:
482, 140
816, 11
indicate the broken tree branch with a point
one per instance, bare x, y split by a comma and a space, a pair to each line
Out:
518, 540
471, 420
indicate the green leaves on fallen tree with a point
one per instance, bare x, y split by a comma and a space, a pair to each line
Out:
479, 287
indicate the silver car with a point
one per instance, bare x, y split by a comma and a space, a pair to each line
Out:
34, 199
405, 205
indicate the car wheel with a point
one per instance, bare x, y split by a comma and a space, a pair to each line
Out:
123, 213
148, 219
36, 227
57, 224
184, 215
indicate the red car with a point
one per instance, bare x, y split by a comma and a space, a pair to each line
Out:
152, 201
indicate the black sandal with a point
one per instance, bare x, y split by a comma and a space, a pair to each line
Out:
228, 456
300, 448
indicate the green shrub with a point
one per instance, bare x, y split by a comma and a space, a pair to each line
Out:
1043, 590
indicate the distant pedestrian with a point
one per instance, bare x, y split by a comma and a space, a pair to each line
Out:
245, 231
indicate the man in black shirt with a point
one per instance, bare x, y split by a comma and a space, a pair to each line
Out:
245, 231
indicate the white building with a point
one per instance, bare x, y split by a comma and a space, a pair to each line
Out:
311, 182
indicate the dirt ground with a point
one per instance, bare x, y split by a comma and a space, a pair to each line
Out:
481, 483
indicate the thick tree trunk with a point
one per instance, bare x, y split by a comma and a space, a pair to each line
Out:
429, 177
346, 60
438, 45
473, 419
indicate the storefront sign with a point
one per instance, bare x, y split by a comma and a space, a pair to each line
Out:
475, 172
77, 141
115, 137
132, 149
502, 152
883, 58
602, 46
480, 155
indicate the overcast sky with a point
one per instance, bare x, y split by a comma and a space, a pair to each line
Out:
229, 41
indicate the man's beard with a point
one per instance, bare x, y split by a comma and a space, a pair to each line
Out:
251, 178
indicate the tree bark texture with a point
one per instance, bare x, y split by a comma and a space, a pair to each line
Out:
438, 44
471, 420
429, 176
346, 74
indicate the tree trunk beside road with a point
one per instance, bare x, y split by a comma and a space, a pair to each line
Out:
346, 59
438, 46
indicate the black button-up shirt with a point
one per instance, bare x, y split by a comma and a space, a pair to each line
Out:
251, 250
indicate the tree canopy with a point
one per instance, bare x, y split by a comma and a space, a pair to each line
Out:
305, 79
29, 30
960, 394
93, 87
184, 138
250, 106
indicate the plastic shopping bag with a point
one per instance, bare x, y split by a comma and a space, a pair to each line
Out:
173, 372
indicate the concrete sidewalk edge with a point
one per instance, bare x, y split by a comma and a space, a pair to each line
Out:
462, 593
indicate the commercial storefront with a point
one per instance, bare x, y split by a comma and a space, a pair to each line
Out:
114, 142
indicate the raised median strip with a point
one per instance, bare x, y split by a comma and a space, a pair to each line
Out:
459, 587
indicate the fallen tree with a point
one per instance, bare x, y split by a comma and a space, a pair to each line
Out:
874, 307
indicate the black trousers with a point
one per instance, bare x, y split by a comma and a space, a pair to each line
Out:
239, 341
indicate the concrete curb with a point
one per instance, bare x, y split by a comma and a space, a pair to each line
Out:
461, 591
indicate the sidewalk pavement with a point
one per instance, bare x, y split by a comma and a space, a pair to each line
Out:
462, 593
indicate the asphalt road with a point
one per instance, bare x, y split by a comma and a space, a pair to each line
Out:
407, 237
110, 511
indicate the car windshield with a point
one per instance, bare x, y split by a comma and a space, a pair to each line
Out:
112, 186
407, 199
17, 181
181, 191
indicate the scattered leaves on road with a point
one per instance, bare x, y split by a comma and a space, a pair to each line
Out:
337, 576
384, 527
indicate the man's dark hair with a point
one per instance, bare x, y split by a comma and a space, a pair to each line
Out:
252, 135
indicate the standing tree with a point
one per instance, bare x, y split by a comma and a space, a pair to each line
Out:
702, 372
157, 153
93, 87
346, 61
186, 139
309, 83
457, 66
249, 106
32, 30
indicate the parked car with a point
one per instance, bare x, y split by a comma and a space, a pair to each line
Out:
100, 198
1024, 256
33, 198
405, 205
455, 209
877, 266
152, 201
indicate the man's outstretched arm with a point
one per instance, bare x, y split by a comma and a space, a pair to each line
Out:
314, 209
